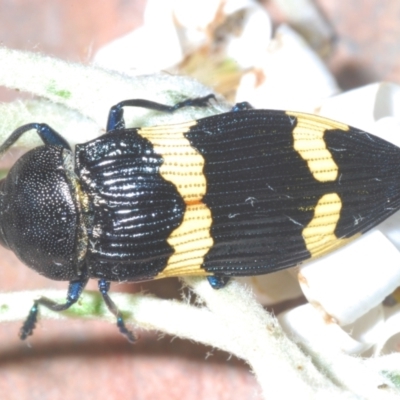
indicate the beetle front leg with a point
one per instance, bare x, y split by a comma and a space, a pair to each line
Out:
46, 133
116, 114
75, 289
104, 287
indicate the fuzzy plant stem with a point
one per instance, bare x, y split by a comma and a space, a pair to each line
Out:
90, 90
232, 321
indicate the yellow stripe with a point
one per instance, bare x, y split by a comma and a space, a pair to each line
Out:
309, 142
183, 166
191, 241
319, 234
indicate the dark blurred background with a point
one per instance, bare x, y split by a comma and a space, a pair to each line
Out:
366, 48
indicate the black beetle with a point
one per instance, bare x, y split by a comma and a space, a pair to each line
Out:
246, 192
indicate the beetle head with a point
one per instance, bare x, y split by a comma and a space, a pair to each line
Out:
38, 213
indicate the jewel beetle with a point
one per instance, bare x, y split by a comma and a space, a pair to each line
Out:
242, 193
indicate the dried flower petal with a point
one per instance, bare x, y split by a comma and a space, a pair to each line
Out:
362, 107
389, 340
274, 288
291, 77
349, 283
305, 324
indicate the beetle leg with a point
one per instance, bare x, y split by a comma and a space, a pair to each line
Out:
116, 114
46, 133
75, 289
243, 106
217, 282
104, 286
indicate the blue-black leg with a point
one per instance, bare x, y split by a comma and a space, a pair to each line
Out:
46, 133
75, 289
217, 282
104, 287
243, 106
116, 114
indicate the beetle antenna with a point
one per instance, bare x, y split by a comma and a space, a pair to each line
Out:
116, 115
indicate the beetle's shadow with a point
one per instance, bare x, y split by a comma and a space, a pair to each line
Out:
149, 345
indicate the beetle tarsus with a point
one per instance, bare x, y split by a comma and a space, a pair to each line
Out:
75, 289
217, 282
104, 287
125, 331
30, 322
196, 102
116, 115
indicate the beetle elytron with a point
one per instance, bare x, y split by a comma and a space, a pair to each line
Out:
247, 192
